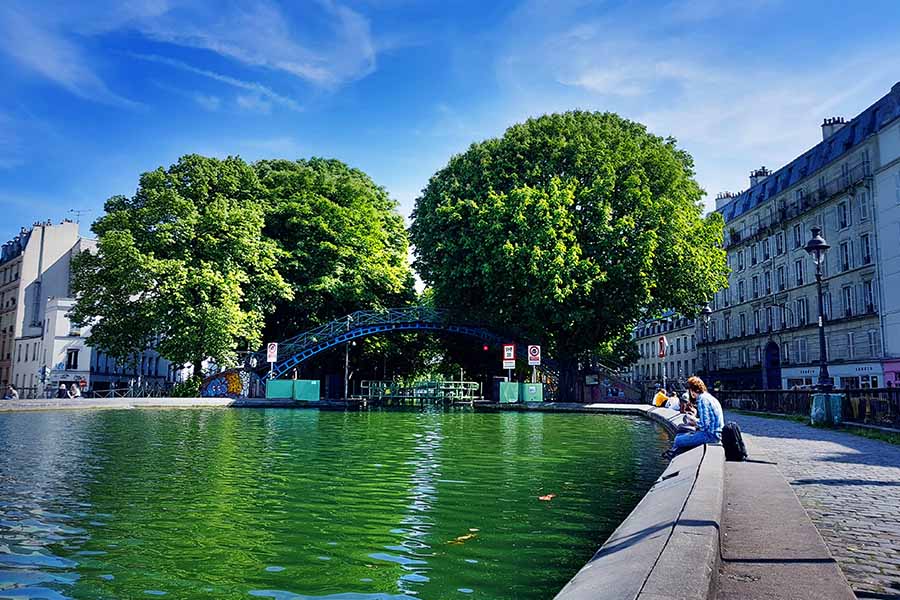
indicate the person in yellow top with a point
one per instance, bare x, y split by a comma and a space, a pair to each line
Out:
660, 398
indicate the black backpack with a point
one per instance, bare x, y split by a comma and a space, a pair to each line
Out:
733, 442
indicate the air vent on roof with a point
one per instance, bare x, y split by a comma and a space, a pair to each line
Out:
832, 126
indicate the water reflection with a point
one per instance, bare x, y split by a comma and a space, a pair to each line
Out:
300, 504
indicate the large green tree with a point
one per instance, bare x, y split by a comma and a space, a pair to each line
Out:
567, 230
344, 246
182, 264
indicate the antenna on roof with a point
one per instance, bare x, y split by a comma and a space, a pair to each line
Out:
78, 212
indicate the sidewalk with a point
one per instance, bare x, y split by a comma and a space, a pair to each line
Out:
770, 548
848, 485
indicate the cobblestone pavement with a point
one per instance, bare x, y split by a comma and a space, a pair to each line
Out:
849, 486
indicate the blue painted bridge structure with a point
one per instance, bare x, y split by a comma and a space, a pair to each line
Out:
363, 323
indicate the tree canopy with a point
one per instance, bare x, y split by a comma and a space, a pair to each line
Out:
344, 246
182, 264
568, 229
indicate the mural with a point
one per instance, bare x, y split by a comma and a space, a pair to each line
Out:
234, 383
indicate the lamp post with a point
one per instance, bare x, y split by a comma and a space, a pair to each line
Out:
706, 313
817, 247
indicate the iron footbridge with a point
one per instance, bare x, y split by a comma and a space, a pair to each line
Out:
363, 323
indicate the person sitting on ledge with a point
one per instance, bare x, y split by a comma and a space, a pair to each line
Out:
709, 420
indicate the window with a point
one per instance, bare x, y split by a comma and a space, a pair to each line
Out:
756, 321
712, 331
765, 249
866, 248
873, 343
71, 360
753, 255
781, 283
743, 321
850, 350
741, 290
758, 355
769, 324
800, 347
740, 259
826, 305
843, 215
869, 296
727, 293
755, 286
678, 345
34, 351
862, 201
802, 311
798, 236
767, 279
845, 256
847, 301
727, 326
798, 272
779, 243
785, 353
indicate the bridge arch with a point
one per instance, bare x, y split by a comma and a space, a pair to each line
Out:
364, 323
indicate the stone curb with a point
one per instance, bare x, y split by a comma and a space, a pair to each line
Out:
668, 547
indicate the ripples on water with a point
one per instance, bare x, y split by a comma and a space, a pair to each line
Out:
296, 505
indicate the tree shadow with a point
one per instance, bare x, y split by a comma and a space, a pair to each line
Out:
873, 482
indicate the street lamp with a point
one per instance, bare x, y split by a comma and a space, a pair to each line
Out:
817, 247
706, 314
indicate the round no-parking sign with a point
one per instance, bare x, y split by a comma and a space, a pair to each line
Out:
534, 355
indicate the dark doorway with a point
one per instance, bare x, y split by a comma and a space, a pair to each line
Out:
772, 367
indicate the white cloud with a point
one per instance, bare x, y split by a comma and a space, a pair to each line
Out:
253, 103
207, 102
323, 43
257, 89
260, 35
53, 56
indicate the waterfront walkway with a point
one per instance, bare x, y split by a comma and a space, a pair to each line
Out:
849, 486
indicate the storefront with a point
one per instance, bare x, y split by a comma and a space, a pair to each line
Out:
865, 375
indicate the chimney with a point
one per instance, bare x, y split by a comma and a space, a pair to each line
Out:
723, 198
758, 175
832, 126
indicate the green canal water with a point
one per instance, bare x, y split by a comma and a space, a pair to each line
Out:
304, 504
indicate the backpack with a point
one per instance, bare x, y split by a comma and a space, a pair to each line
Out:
733, 442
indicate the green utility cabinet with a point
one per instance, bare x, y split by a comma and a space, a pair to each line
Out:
509, 392
306, 390
279, 388
531, 392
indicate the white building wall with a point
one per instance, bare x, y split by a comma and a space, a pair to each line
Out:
887, 199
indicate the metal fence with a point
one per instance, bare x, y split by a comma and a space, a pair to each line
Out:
879, 407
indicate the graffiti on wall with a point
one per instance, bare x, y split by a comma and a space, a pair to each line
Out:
234, 383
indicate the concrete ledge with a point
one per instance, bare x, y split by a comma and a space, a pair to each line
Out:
668, 547
130, 403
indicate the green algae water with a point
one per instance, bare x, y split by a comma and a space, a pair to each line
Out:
300, 504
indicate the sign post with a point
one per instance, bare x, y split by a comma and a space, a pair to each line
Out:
534, 359
271, 356
509, 359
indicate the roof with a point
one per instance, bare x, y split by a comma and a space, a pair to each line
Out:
868, 122
15, 246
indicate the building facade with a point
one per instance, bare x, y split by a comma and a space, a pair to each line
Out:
41, 349
668, 351
763, 332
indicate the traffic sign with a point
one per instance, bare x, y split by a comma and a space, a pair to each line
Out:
509, 356
272, 352
534, 356
663, 346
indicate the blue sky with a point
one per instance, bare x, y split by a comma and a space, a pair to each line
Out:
93, 95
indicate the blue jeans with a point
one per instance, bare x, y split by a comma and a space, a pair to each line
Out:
683, 441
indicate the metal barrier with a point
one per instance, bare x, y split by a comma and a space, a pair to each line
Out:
879, 407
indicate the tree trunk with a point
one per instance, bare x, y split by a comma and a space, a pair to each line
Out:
198, 368
568, 379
